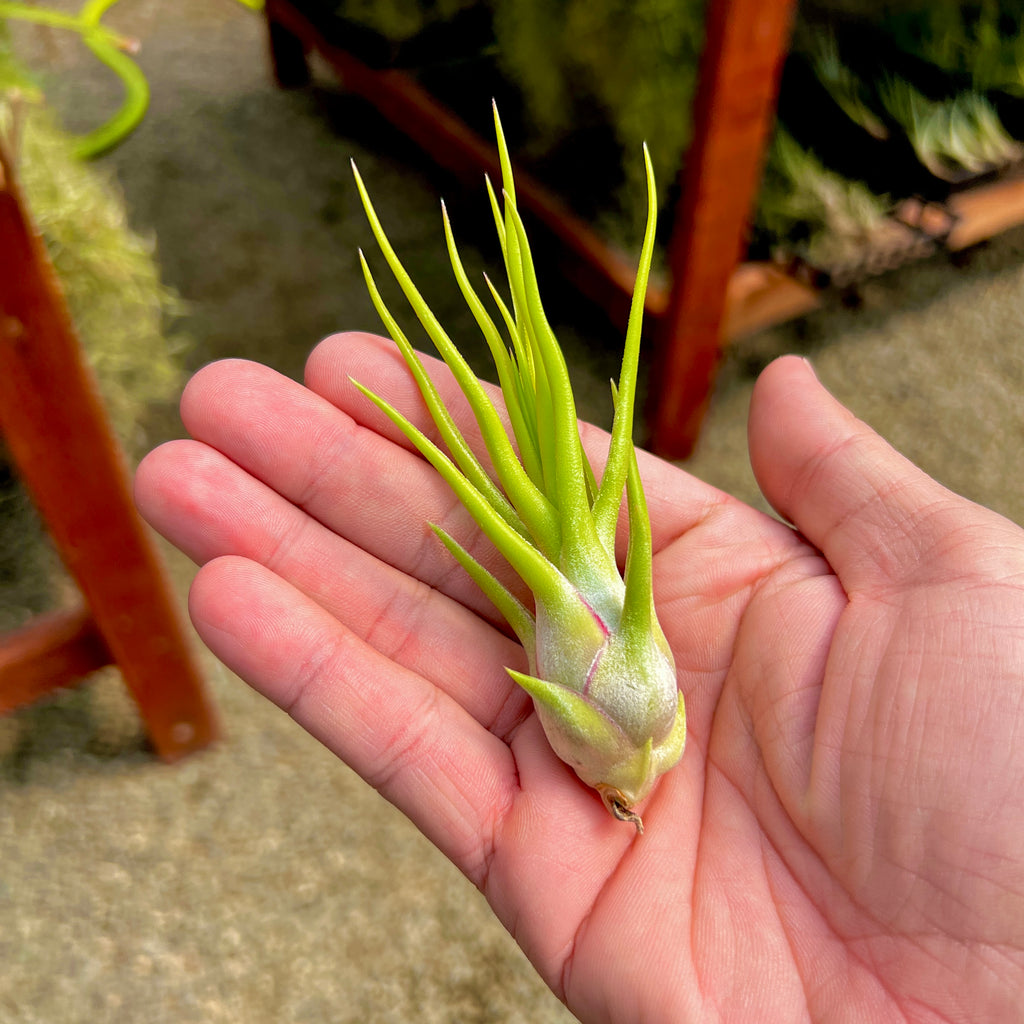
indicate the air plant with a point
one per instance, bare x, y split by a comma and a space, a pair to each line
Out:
983, 39
829, 220
845, 88
601, 674
953, 137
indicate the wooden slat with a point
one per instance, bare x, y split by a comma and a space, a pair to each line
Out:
66, 454
52, 651
985, 211
761, 294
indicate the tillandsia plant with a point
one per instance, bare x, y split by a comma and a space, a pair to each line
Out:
952, 137
601, 673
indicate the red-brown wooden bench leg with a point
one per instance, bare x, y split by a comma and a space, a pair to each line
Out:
747, 41
65, 452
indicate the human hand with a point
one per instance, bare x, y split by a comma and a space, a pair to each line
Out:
844, 837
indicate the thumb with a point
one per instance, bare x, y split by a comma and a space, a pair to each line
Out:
875, 516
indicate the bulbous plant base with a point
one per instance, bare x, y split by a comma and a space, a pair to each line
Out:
617, 807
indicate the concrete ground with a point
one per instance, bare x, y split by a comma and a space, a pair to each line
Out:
261, 881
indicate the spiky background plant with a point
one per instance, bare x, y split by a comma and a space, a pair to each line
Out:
601, 673
845, 88
827, 219
958, 136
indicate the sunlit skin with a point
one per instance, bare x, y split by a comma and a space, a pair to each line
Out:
842, 840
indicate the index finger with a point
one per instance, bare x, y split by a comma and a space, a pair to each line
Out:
359, 484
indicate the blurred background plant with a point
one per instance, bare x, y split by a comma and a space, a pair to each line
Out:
399, 20
596, 78
630, 62
983, 40
800, 195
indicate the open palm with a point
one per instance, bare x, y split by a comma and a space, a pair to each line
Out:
843, 838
